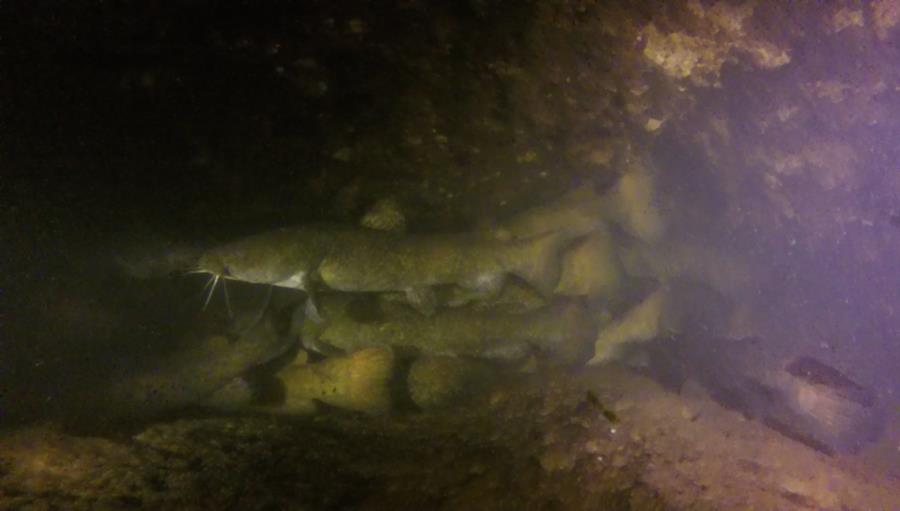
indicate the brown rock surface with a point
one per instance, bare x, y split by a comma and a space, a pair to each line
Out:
526, 445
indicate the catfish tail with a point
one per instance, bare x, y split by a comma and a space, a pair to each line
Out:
539, 260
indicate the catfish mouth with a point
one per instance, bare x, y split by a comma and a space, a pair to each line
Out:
217, 269
213, 265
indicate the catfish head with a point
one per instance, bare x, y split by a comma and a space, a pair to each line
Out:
267, 258
283, 257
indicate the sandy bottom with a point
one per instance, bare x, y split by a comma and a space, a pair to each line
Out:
541, 442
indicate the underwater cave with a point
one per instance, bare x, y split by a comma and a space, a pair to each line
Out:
485, 254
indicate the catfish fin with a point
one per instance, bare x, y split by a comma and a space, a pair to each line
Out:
638, 325
540, 261
385, 215
322, 348
484, 288
311, 310
423, 299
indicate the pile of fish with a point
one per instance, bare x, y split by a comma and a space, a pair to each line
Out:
569, 282
371, 304
371, 308
377, 297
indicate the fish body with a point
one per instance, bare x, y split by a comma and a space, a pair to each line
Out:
359, 381
208, 362
591, 267
630, 204
440, 382
640, 324
348, 258
562, 330
393, 263
516, 296
287, 257
580, 211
